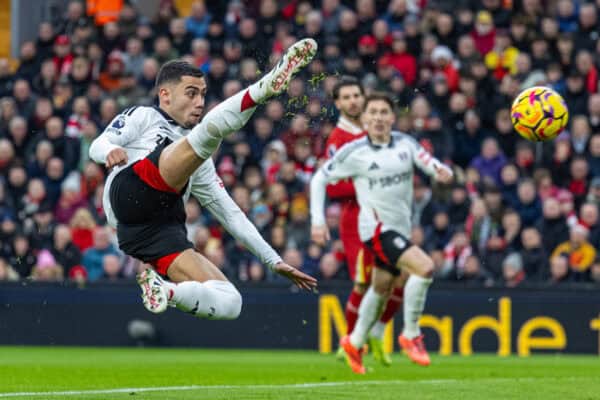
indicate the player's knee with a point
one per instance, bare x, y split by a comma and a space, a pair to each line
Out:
383, 287
232, 304
400, 280
428, 268
236, 305
360, 288
221, 300
383, 291
205, 139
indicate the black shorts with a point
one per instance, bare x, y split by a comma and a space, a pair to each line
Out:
388, 246
151, 214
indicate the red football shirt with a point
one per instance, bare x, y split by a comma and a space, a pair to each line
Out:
343, 191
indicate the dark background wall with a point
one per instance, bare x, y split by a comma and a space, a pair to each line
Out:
277, 317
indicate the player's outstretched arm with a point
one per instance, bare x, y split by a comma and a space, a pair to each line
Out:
239, 226
212, 196
443, 173
431, 165
302, 280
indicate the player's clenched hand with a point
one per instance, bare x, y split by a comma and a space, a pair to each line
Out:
116, 156
302, 280
319, 234
443, 174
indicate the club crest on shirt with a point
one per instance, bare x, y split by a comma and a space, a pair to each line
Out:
119, 122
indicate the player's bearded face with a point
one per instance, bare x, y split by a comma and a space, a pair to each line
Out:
186, 101
378, 119
350, 101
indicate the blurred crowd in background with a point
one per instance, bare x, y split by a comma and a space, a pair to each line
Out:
518, 212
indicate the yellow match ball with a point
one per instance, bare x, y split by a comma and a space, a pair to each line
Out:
539, 114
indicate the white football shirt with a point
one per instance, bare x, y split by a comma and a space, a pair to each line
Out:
139, 130
383, 180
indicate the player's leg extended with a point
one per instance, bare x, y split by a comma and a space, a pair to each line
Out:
360, 263
152, 229
351, 311
197, 287
369, 311
391, 308
182, 158
356, 260
359, 269
354, 300
420, 265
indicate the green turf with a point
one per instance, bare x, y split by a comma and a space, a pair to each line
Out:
34, 369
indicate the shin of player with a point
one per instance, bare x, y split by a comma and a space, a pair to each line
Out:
392, 305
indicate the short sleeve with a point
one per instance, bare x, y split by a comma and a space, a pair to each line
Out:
125, 127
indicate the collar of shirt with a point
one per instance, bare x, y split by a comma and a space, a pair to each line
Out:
347, 125
167, 117
376, 146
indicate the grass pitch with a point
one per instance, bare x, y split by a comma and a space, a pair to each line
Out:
165, 374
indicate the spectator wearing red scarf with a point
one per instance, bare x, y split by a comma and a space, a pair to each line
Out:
63, 58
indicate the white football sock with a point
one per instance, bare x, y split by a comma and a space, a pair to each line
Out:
368, 312
211, 299
258, 90
378, 330
226, 118
415, 294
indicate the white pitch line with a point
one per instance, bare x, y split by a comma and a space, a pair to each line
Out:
214, 387
258, 387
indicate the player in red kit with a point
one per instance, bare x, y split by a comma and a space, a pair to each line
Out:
349, 98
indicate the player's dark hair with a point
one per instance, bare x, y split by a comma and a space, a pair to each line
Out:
173, 71
375, 96
344, 82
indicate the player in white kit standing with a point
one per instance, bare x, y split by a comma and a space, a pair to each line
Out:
381, 166
161, 155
